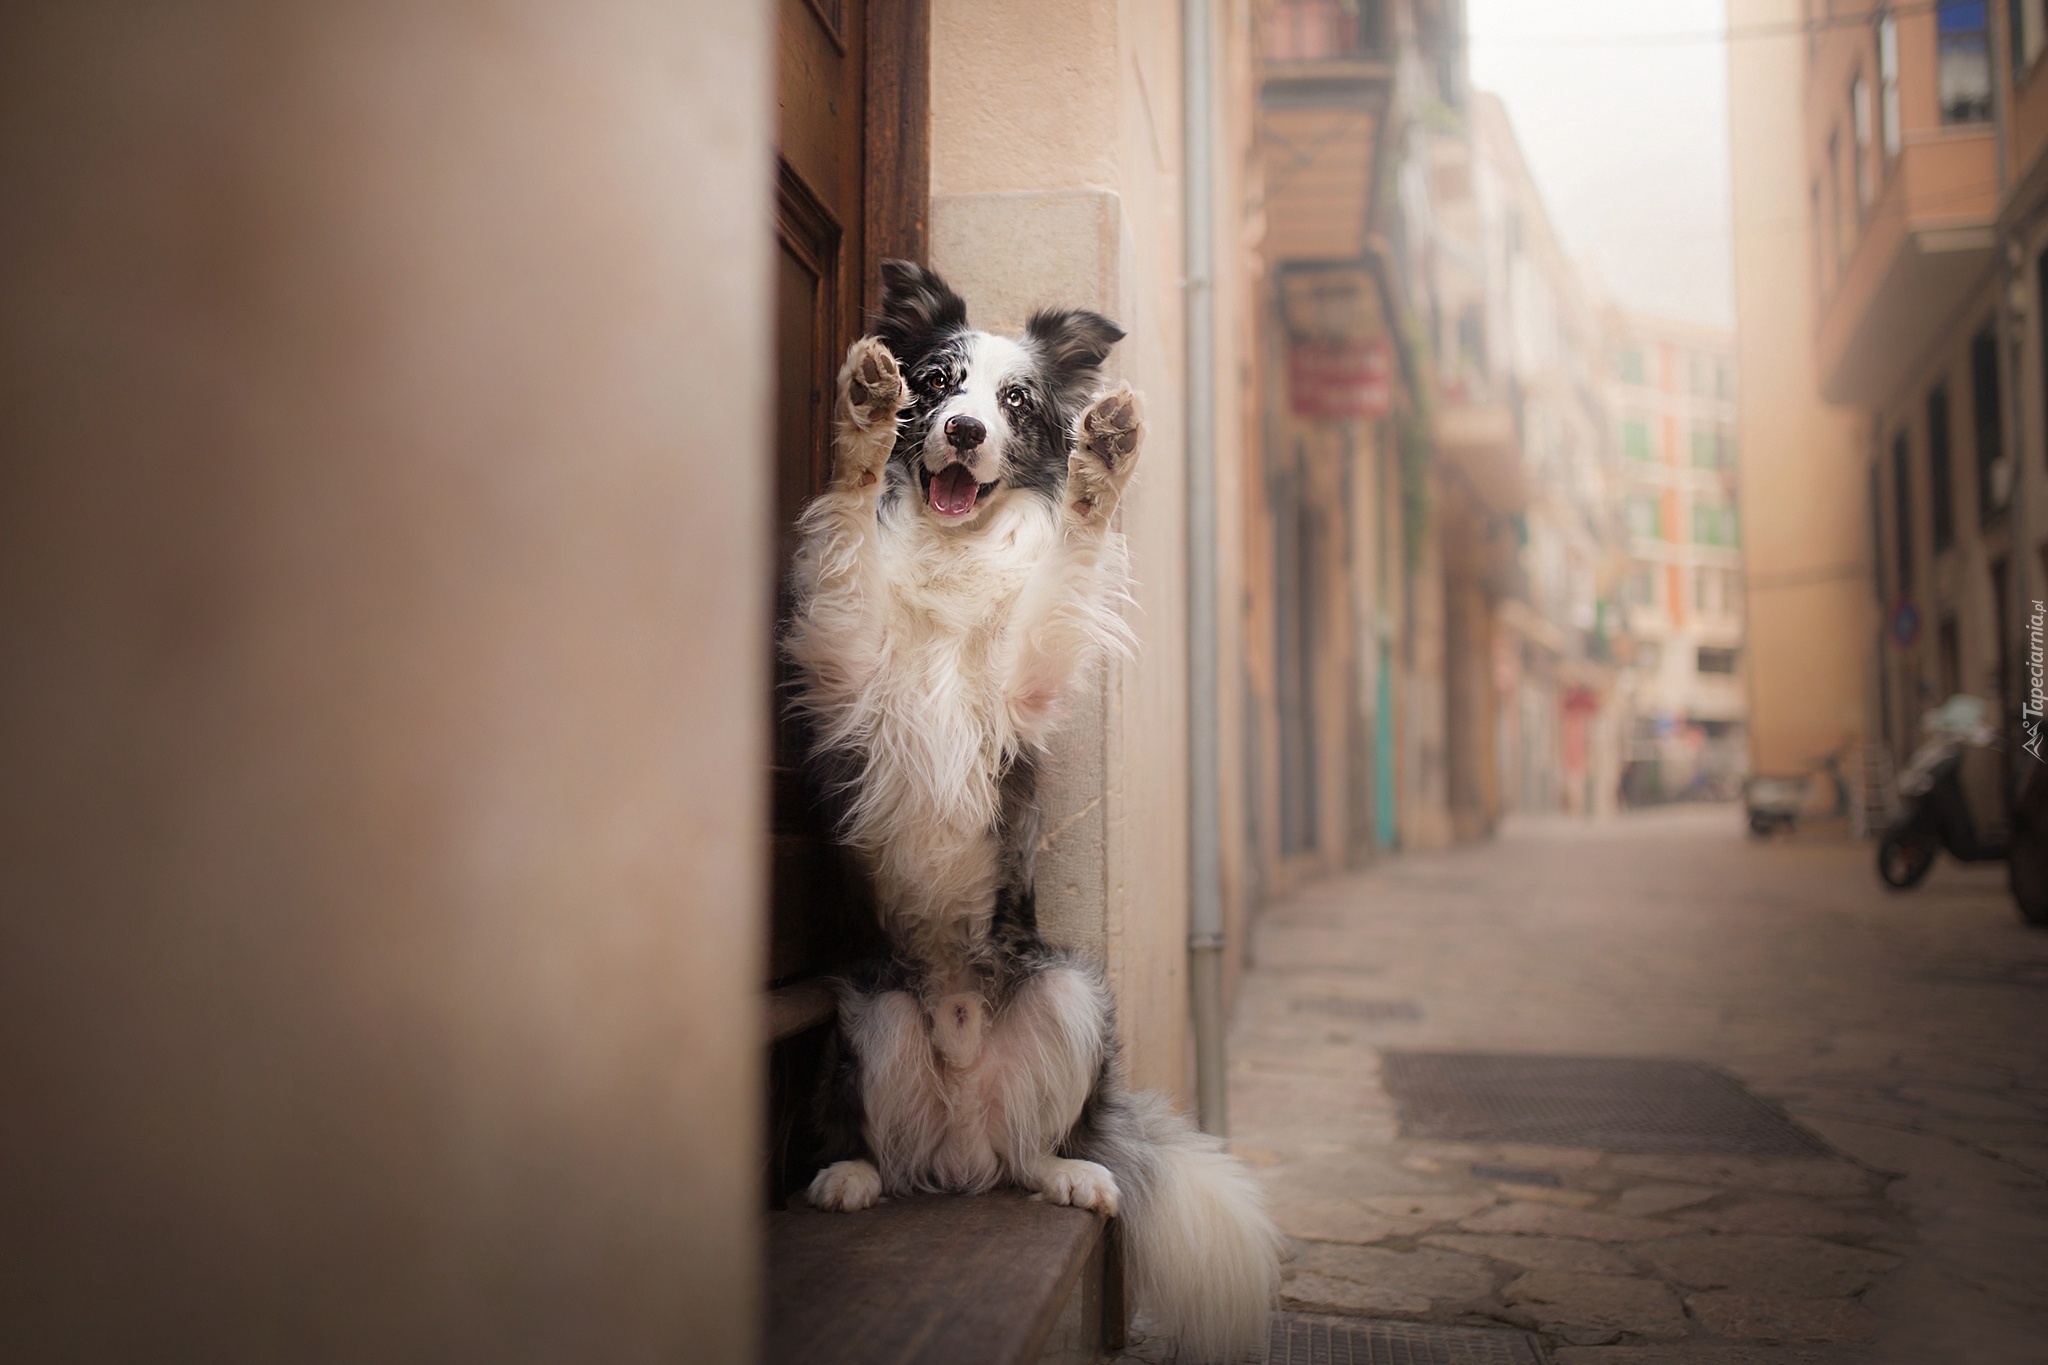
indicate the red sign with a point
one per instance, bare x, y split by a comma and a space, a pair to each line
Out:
1340, 378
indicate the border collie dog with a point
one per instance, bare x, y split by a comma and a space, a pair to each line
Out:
950, 586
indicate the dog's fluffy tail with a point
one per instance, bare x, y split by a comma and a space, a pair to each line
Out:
1204, 1256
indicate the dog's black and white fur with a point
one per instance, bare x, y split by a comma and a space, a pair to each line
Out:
958, 576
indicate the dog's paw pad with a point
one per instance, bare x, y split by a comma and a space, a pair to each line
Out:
1113, 426
1082, 1184
846, 1187
874, 382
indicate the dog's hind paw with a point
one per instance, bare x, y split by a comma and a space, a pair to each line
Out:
846, 1186
1083, 1184
1111, 431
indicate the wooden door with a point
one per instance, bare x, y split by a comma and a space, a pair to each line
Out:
850, 189
819, 226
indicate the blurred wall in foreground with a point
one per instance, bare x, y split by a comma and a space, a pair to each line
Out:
386, 591
1811, 617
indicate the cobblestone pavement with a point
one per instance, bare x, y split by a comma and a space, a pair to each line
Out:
1910, 1031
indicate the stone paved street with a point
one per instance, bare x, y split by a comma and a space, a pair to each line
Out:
1909, 1031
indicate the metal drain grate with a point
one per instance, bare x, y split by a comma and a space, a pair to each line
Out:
1315, 1341
1377, 1011
1614, 1104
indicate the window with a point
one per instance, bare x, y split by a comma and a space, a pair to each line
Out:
1635, 440
1701, 371
1859, 121
1472, 339
1994, 480
1703, 591
1630, 364
1713, 660
1940, 489
1965, 79
1838, 240
1724, 443
2041, 276
1645, 519
1820, 278
1724, 380
1713, 523
1888, 81
2027, 33
1642, 586
1705, 448
1902, 510
1731, 592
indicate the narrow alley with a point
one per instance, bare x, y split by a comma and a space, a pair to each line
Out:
1901, 1030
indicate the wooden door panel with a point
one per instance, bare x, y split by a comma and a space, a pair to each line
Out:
821, 213
822, 140
809, 307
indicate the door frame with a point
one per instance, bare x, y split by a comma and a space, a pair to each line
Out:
898, 140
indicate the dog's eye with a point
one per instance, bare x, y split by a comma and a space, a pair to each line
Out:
935, 381
1015, 398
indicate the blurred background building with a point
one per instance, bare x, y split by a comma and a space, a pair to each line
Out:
1672, 390
1434, 555
1895, 471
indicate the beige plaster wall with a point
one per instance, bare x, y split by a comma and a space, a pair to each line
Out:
382, 840
1810, 612
1056, 143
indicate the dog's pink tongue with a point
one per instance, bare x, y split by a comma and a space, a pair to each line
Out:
953, 490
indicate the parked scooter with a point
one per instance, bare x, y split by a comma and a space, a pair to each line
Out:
1780, 803
1934, 814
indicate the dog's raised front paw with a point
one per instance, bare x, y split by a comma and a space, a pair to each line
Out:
1083, 1184
872, 383
871, 395
846, 1186
1111, 432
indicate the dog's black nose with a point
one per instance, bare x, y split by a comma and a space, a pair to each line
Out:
965, 433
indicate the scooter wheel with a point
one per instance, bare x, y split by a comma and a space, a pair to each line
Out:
2027, 863
2027, 866
1904, 860
1762, 826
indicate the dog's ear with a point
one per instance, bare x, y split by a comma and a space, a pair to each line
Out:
915, 304
1074, 343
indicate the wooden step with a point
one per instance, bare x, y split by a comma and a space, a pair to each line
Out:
941, 1280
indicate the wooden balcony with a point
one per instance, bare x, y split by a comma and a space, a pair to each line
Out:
1324, 82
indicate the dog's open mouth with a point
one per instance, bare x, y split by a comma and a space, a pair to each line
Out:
952, 492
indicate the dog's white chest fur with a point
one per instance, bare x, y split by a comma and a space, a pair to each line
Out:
932, 707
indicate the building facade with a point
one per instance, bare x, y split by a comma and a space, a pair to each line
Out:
1433, 562
1559, 707
1675, 435
1923, 134
1812, 613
